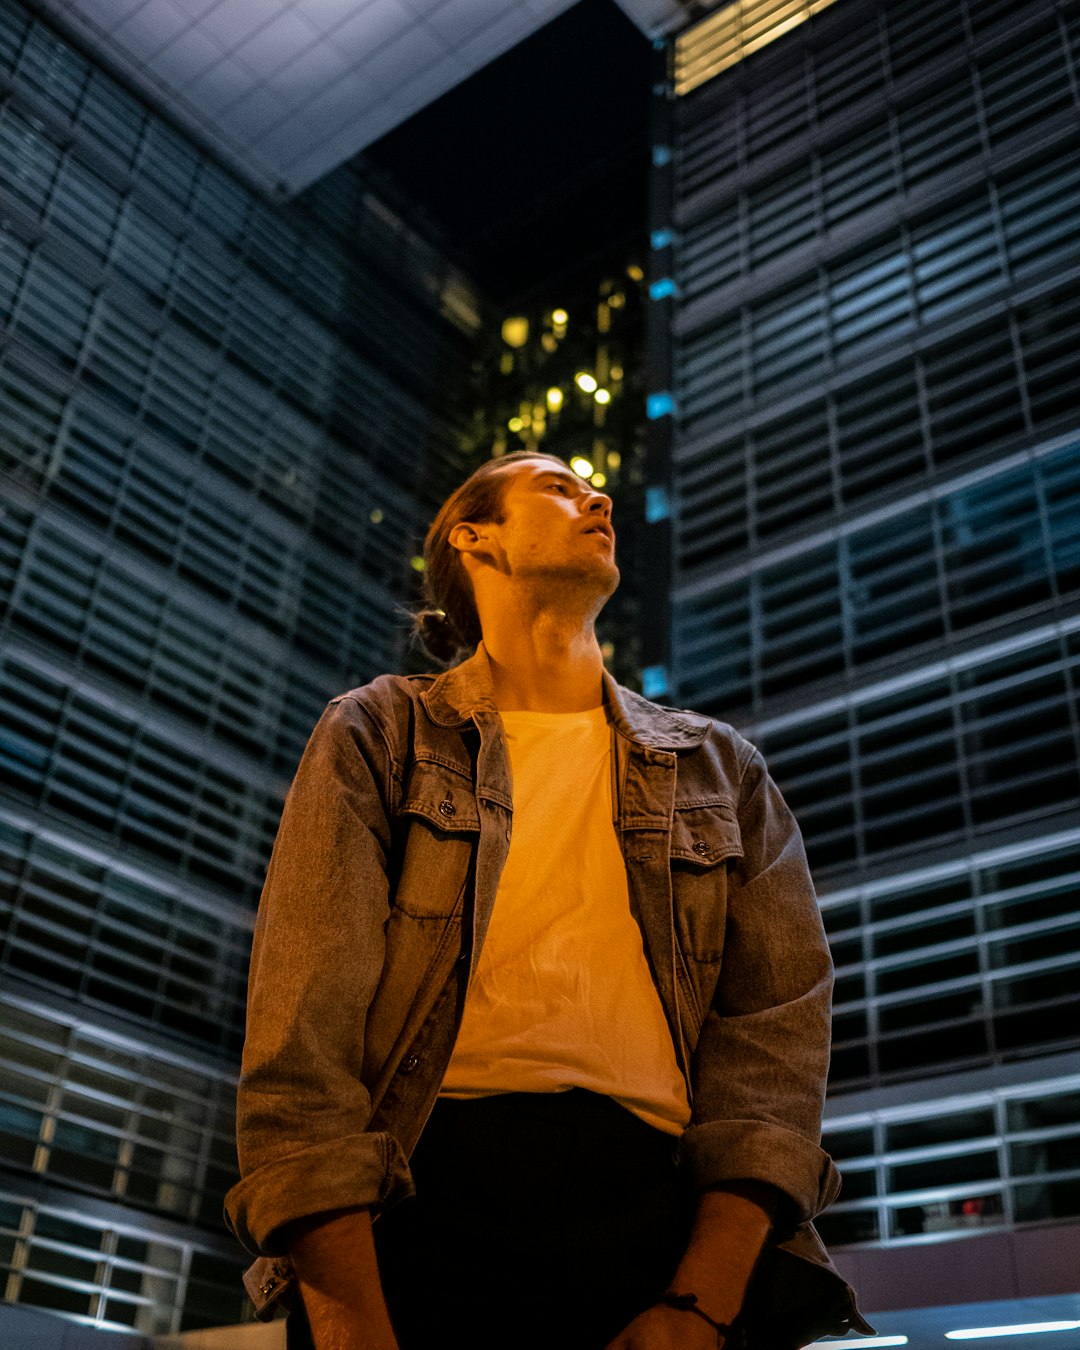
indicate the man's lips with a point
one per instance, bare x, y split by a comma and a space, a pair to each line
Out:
605, 530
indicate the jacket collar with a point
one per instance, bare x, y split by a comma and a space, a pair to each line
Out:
459, 694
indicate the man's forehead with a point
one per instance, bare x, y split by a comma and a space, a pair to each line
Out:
525, 472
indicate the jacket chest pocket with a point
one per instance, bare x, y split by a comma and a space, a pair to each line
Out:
436, 831
704, 839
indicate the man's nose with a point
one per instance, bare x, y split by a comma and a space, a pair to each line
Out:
601, 502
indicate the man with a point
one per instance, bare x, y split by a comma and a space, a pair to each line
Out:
547, 955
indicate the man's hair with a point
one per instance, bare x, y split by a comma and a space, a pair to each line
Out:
449, 625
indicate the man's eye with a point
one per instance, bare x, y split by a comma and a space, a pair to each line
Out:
560, 487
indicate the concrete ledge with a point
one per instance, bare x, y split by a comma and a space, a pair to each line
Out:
972, 1268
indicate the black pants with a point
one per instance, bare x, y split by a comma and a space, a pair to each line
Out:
541, 1222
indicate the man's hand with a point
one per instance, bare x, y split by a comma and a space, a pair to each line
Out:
334, 1256
731, 1225
663, 1328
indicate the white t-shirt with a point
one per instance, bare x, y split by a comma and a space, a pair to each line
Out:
562, 995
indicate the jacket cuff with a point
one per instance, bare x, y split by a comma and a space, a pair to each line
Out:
749, 1150
358, 1171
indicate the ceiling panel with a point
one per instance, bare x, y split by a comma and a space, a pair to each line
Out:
287, 89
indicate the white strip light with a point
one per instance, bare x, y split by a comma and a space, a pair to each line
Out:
1019, 1329
859, 1341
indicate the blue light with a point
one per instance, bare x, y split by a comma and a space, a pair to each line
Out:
664, 287
661, 238
659, 405
654, 681
661, 155
657, 506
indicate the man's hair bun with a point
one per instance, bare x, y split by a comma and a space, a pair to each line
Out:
438, 635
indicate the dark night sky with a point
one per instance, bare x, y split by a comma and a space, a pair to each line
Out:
540, 160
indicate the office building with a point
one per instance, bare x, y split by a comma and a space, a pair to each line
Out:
562, 374
865, 458
224, 423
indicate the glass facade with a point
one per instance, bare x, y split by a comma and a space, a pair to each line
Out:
224, 423
867, 393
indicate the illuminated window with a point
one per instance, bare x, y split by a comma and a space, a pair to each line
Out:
581, 466
554, 399
735, 31
560, 318
416, 563
515, 331
515, 424
598, 480
635, 273
585, 382
603, 396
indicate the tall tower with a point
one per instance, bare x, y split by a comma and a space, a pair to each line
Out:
223, 426
866, 451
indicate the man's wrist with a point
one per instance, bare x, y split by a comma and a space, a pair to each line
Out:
688, 1303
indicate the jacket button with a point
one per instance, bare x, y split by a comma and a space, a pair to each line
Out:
701, 847
447, 808
409, 1065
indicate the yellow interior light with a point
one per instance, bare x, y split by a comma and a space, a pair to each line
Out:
607, 650
377, 516
515, 424
598, 479
602, 396
548, 342
635, 273
616, 374
585, 382
617, 300
560, 318
506, 363
731, 33
614, 459
554, 399
581, 466
515, 331
416, 563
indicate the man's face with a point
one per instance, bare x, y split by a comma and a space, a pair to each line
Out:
555, 523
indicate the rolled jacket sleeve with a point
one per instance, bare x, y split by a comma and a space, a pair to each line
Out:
761, 1061
302, 1107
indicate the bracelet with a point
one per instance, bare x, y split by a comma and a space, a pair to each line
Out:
689, 1303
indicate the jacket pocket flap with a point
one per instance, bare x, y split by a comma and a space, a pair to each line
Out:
441, 796
705, 834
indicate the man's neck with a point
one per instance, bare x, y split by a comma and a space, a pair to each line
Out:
540, 670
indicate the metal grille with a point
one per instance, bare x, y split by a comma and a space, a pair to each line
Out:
872, 315
222, 426
110, 1154
974, 1159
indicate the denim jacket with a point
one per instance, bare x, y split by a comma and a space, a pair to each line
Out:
377, 899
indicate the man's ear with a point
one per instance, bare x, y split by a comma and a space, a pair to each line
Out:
469, 538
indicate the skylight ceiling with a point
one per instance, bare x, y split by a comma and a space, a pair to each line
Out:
287, 89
